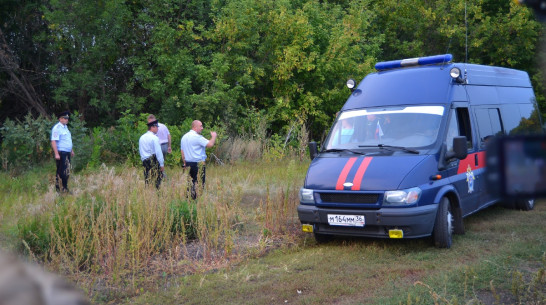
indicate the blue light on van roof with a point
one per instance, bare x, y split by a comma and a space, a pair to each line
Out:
419, 61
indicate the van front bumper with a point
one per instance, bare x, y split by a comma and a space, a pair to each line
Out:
414, 222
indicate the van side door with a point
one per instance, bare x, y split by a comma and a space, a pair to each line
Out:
488, 119
458, 170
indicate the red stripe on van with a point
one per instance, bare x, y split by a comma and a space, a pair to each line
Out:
344, 173
470, 160
360, 173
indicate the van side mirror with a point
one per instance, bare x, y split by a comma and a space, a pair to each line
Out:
313, 150
460, 150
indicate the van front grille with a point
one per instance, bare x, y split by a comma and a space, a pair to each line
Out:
348, 198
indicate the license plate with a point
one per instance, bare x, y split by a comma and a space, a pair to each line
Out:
346, 220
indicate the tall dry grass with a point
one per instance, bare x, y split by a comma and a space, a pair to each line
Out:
115, 236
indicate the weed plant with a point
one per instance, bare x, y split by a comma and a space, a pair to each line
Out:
113, 231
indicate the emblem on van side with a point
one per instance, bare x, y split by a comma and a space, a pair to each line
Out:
347, 184
470, 179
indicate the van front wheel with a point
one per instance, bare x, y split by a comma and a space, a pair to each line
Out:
322, 238
443, 227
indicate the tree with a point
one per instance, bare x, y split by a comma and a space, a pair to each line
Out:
22, 61
292, 58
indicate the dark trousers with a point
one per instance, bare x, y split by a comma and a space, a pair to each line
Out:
63, 171
152, 171
196, 169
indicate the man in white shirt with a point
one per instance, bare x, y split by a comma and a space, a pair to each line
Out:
151, 155
164, 136
61, 143
192, 150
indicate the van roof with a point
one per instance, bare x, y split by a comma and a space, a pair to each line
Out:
428, 83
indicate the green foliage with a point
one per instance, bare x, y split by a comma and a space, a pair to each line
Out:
27, 143
184, 218
291, 58
118, 143
499, 32
251, 68
33, 232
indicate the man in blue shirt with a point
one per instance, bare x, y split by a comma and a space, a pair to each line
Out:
192, 150
61, 142
151, 155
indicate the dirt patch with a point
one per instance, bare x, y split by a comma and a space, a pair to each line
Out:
497, 297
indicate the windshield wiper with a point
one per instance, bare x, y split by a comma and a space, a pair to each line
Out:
413, 151
342, 150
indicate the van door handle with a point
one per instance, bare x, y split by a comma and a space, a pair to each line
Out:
476, 159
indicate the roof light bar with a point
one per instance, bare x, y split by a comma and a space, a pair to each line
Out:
419, 61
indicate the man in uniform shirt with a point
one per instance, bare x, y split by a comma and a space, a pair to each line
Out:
164, 136
61, 142
151, 155
192, 150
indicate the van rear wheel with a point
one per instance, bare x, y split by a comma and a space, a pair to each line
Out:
443, 227
525, 204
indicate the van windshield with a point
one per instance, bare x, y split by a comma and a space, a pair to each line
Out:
412, 126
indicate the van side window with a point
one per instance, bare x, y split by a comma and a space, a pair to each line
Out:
529, 120
452, 130
463, 120
489, 124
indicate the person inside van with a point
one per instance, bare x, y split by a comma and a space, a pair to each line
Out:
346, 132
375, 126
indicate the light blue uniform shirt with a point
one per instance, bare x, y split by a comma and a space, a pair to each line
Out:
61, 135
194, 145
148, 145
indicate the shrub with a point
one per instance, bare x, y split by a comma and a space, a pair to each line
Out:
33, 232
184, 218
27, 143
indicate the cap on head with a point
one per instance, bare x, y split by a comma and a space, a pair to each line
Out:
153, 123
65, 114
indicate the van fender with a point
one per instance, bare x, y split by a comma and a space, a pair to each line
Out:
454, 200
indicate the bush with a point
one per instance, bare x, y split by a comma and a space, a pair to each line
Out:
27, 143
34, 235
184, 218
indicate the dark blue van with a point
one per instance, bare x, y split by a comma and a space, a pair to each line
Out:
405, 157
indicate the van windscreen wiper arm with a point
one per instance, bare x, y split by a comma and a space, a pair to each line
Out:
342, 150
413, 151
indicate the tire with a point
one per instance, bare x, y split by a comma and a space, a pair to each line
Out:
525, 204
443, 227
508, 204
322, 238
458, 223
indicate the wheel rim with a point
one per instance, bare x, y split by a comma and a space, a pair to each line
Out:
449, 223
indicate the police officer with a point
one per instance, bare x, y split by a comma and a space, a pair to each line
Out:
192, 151
61, 142
164, 136
151, 154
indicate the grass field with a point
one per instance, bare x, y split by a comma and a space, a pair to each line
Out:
240, 243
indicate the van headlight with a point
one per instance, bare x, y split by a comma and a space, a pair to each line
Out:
402, 197
307, 196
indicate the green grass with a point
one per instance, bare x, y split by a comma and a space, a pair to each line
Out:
482, 267
241, 243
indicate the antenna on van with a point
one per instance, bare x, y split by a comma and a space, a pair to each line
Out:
466, 34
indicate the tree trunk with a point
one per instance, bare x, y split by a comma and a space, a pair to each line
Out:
19, 85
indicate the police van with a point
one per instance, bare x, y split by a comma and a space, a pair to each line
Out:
405, 157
